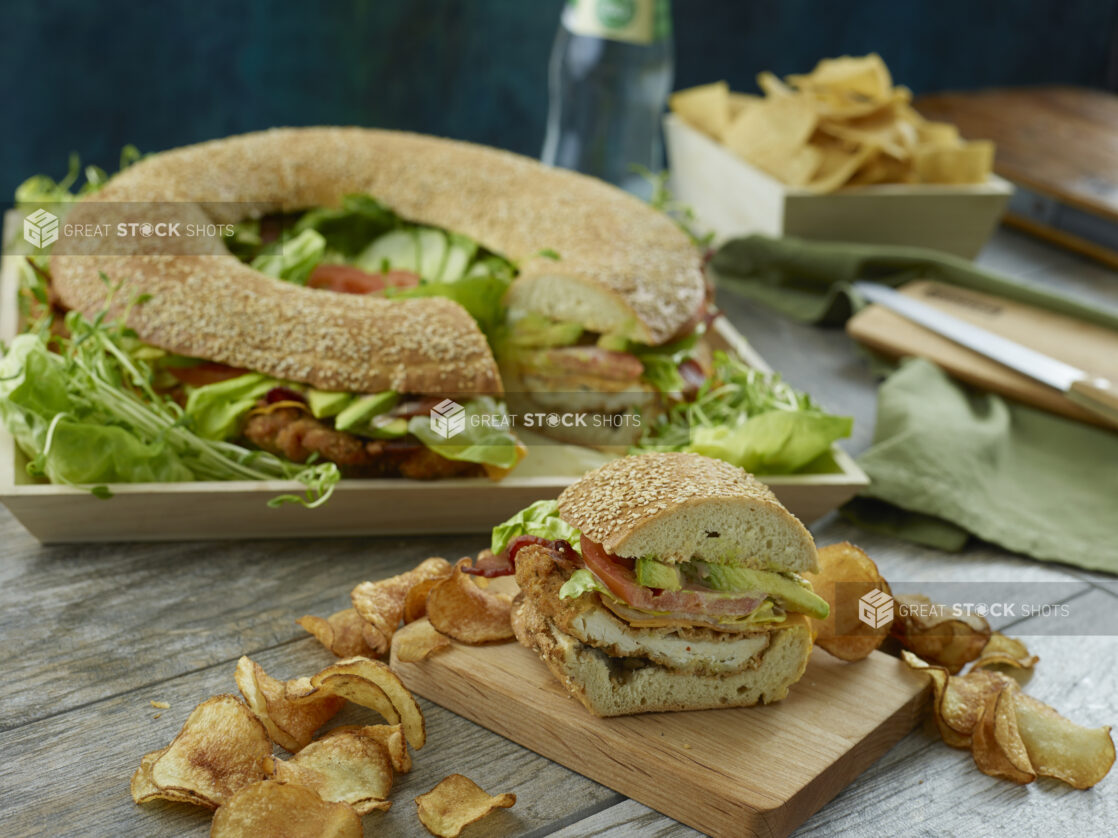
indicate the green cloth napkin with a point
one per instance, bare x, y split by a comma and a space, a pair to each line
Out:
810, 280
952, 460
948, 461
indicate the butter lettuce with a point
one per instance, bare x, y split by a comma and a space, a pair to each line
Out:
61, 432
216, 410
749, 418
483, 439
582, 581
87, 414
540, 519
481, 295
780, 442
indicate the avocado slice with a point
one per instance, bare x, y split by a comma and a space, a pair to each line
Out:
793, 595
654, 574
615, 343
327, 403
363, 409
537, 330
385, 427
460, 252
432, 252
398, 249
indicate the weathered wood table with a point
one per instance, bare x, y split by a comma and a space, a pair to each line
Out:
89, 635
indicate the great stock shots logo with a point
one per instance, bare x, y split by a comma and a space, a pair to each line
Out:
448, 418
875, 609
40, 228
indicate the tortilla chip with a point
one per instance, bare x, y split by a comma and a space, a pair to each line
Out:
706, 107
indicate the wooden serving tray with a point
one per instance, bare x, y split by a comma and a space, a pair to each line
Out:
758, 771
238, 509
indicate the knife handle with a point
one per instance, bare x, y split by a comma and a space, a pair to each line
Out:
1098, 396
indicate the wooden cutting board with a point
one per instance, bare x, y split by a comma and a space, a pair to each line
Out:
743, 771
1089, 347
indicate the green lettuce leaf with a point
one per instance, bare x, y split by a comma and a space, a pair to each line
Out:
582, 581
749, 418
216, 410
87, 414
479, 442
348, 229
480, 295
661, 363
540, 519
42, 189
292, 259
778, 442
244, 241
58, 431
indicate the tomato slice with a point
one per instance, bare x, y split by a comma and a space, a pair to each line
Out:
207, 372
617, 574
347, 279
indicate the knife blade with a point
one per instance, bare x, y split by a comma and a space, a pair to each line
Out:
1097, 395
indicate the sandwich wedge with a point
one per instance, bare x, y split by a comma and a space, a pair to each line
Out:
663, 582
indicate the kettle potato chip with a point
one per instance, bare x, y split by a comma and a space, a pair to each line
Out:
390, 736
417, 641
846, 574
273, 808
996, 742
345, 767
1005, 651
934, 633
372, 684
1060, 748
455, 803
342, 633
381, 604
460, 609
290, 723
220, 749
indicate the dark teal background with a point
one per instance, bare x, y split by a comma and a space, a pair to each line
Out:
92, 75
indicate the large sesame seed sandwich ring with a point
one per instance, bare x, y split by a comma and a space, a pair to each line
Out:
663, 582
420, 232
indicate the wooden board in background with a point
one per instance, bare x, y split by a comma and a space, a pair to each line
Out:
743, 771
1059, 146
1089, 347
1062, 141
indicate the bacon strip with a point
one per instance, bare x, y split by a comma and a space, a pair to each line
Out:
504, 564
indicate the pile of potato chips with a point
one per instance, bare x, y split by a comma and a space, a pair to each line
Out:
1011, 735
843, 124
223, 757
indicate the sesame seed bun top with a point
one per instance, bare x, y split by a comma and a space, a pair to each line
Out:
675, 507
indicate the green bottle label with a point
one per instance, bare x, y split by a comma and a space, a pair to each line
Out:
633, 21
